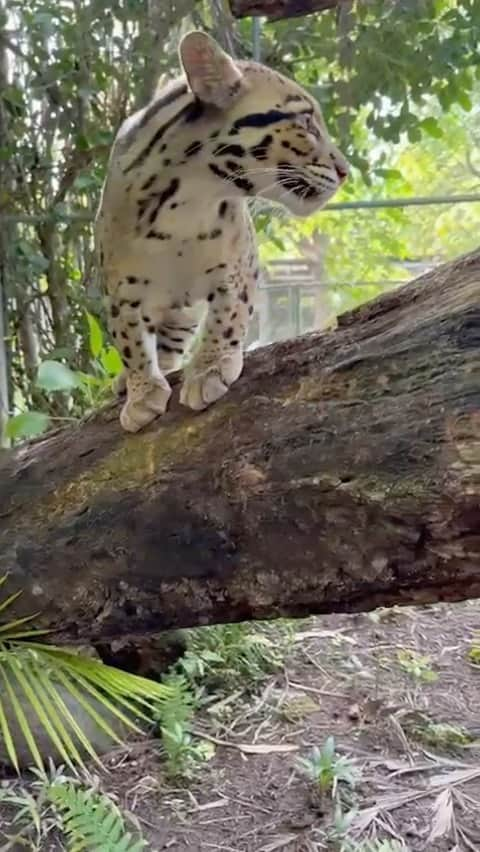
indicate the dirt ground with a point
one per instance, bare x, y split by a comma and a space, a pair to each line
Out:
365, 680
347, 676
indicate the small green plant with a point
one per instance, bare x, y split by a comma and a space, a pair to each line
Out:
441, 734
218, 658
55, 377
91, 821
85, 818
473, 653
183, 752
327, 769
417, 666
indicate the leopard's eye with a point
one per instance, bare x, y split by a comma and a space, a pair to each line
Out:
307, 121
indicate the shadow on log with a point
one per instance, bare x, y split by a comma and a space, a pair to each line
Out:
341, 473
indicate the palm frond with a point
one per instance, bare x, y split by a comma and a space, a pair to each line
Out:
53, 701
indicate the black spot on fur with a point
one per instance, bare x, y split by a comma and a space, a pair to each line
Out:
162, 197
124, 335
290, 98
185, 113
213, 268
202, 236
223, 209
259, 119
229, 150
135, 304
210, 297
127, 352
228, 333
250, 309
244, 295
240, 182
158, 235
114, 311
131, 279
165, 348
260, 150
151, 329
148, 183
132, 324
222, 290
167, 161
217, 232
193, 148
234, 343
161, 102
294, 182
234, 167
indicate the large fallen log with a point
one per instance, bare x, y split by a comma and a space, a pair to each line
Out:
342, 472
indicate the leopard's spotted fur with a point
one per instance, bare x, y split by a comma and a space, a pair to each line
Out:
176, 245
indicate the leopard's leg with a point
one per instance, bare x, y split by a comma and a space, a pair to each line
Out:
147, 389
217, 358
175, 335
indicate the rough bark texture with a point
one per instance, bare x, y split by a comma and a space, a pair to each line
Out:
276, 9
342, 472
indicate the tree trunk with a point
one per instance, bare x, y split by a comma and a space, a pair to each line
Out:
342, 472
5, 240
275, 9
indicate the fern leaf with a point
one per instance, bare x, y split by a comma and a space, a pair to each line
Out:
91, 821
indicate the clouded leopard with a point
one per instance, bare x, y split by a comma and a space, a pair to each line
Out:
176, 246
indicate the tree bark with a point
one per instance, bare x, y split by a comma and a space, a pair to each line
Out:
273, 10
342, 472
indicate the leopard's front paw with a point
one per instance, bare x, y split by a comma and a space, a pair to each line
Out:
119, 384
202, 388
144, 403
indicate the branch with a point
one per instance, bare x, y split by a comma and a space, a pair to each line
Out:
342, 472
276, 9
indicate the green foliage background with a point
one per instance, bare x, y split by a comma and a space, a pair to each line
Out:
399, 83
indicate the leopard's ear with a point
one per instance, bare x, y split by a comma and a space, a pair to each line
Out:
212, 75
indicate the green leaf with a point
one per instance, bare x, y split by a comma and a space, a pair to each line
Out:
389, 174
54, 376
432, 127
96, 335
111, 361
464, 100
27, 425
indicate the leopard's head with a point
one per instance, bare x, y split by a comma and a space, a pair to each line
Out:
272, 140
